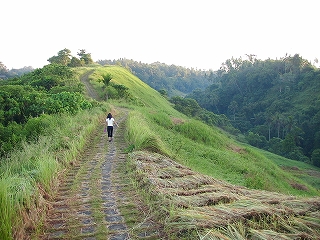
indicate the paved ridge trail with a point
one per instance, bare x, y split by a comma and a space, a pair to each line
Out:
94, 193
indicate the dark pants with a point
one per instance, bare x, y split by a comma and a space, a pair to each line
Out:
110, 130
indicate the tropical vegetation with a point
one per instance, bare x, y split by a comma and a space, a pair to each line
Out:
47, 116
274, 103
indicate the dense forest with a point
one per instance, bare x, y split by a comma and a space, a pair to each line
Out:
174, 80
275, 103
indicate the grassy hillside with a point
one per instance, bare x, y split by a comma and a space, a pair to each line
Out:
155, 125
202, 184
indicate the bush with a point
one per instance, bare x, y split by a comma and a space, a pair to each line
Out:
256, 140
37, 126
67, 102
10, 137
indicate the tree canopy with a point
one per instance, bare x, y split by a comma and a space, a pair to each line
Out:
275, 102
65, 58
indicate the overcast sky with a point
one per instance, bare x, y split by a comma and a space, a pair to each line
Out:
191, 33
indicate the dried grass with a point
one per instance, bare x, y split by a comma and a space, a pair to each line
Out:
200, 202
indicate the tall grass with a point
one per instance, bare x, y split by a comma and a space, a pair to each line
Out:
6, 210
140, 136
209, 151
28, 174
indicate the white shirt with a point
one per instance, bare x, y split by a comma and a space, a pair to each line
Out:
110, 121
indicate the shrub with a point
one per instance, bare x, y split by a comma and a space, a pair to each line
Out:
10, 137
37, 126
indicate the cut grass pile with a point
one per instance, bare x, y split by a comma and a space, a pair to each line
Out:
194, 204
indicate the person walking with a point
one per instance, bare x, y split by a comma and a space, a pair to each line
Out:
110, 121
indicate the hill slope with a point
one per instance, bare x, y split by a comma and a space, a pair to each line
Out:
203, 148
194, 195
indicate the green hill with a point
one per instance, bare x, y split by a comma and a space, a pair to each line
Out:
214, 170
203, 148
174, 80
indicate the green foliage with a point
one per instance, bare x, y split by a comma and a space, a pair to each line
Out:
27, 112
39, 92
11, 137
121, 90
66, 102
187, 106
37, 126
191, 108
197, 132
206, 150
116, 91
76, 62
162, 119
84, 56
50, 76
129, 88
7, 212
156, 126
106, 79
163, 92
256, 140
63, 57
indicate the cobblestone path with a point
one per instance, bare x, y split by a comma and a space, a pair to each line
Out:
92, 193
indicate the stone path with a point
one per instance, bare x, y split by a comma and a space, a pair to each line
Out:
91, 194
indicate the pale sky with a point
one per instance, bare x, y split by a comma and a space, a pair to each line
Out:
191, 33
